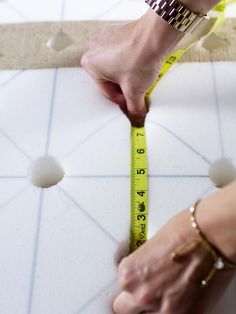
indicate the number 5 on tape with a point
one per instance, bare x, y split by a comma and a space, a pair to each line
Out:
139, 189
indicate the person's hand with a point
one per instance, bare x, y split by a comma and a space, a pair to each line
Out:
152, 282
125, 60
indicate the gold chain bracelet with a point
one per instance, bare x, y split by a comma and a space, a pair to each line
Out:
219, 262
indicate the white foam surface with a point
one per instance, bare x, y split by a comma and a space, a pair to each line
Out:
59, 245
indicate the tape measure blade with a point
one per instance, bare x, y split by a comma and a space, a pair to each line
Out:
139, 189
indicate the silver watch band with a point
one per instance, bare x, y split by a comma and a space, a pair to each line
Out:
175, 14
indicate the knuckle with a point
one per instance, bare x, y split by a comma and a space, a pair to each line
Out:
84, 61
125, 274
145, 297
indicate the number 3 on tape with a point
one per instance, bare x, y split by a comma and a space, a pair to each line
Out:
139, 189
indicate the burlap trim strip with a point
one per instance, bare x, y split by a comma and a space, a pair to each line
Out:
23, 46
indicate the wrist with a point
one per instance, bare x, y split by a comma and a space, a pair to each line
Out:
196, 246
160, 37
216, 217
186, 233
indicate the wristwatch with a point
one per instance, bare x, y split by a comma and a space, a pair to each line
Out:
175, 14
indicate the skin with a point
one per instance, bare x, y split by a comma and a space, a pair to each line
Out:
124, 60
167, 285
151, 281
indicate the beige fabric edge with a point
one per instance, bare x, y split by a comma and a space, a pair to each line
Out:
23, 46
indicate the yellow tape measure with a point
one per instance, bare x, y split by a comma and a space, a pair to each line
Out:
139, 169
139, 188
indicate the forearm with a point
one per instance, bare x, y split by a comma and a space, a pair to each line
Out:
158, 36
216, 216
162, 37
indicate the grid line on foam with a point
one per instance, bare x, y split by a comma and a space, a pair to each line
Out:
16, 75
12, 198
114, 176
21, 150
100, 128
12, 78
95, 297
12, 177
217, 108
35, 253
63, 7
177, 137
16, 10
91, 219
202, 194
50, 119
113, 6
